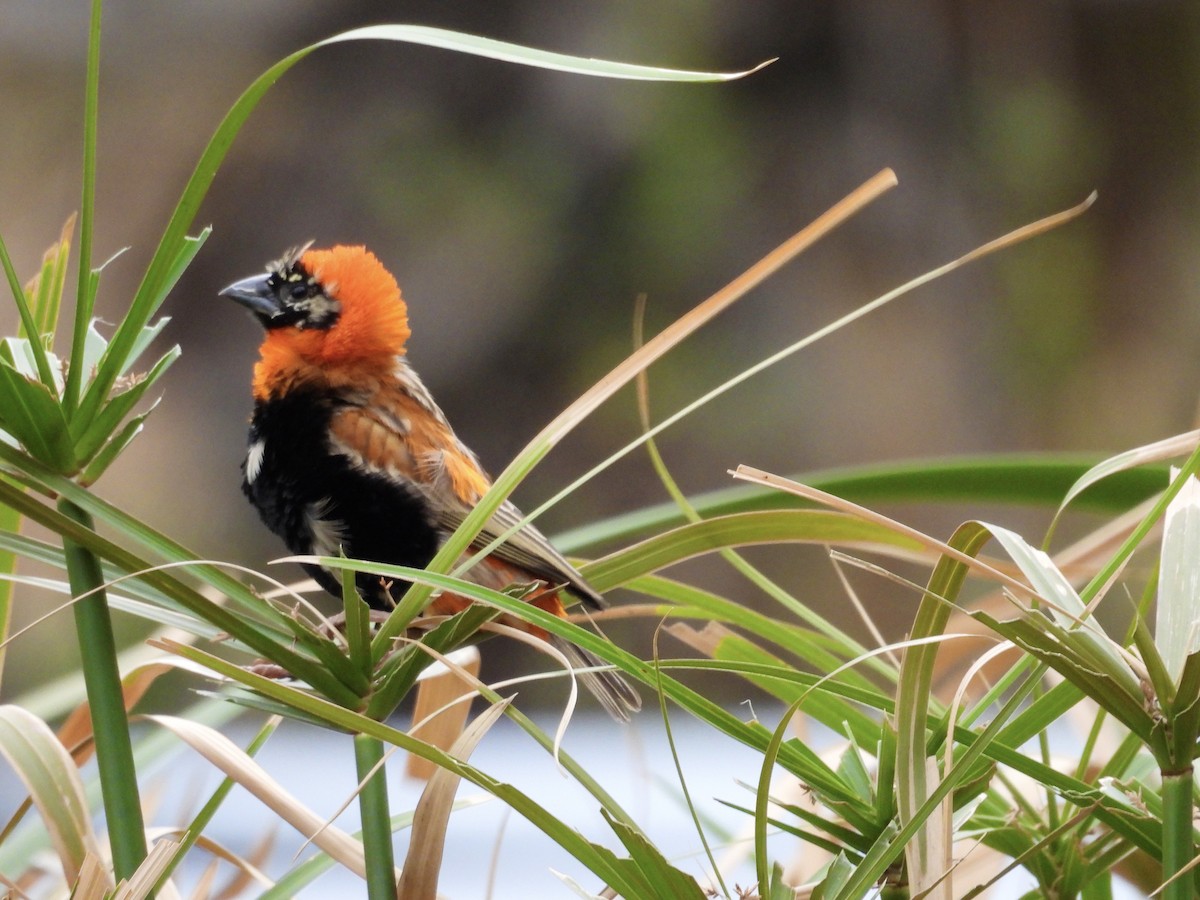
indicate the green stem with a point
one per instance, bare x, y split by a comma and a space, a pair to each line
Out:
1178, 846
110, 726
376, 819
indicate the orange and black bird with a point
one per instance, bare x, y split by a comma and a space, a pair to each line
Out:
348, 451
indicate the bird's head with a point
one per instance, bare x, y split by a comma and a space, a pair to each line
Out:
326, 308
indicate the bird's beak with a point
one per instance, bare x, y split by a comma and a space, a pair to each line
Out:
255, 294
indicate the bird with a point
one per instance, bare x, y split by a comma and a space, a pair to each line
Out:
348, 452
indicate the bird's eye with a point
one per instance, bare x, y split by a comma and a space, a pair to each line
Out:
299, 291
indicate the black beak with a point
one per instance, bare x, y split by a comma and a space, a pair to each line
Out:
256, 295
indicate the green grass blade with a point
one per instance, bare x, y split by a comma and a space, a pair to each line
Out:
1033, 479
101, 428
31, 414
133, 333
794, 754
823, 645
211, 806
1137, 536
1178, 607
10, 522
305, 873
357, 627
28, 324
762, 796
741, 529
52, 282
87, 214
915, 689
821, 706
891, 843
112, 449
662, 880
1138, 457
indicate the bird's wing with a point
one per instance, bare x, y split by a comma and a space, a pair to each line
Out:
400, 440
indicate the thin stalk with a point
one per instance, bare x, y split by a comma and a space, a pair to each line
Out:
376, 819
110, 725
1178, 846
87, 210
10, 521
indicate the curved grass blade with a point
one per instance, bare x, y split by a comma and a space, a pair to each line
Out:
1139, 457
528, 56
235, 763
742, 529
52, 779
915, 769
1027, 479
794, 754
91, 434
306, 872
817, 647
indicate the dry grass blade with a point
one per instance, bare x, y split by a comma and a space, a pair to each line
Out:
757, 476
246, 866
141, 884
424, 861
204, 884
857, 605
233, 761
94, 882
705, 640
52, 779
1168, 448
436, 701
76, 732
669, 337
536, 643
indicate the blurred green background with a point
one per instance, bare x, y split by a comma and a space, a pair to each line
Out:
523, 211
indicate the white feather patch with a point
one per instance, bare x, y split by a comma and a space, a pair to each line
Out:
327, 534
254, 460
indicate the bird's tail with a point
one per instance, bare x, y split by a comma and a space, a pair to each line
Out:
615, 694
